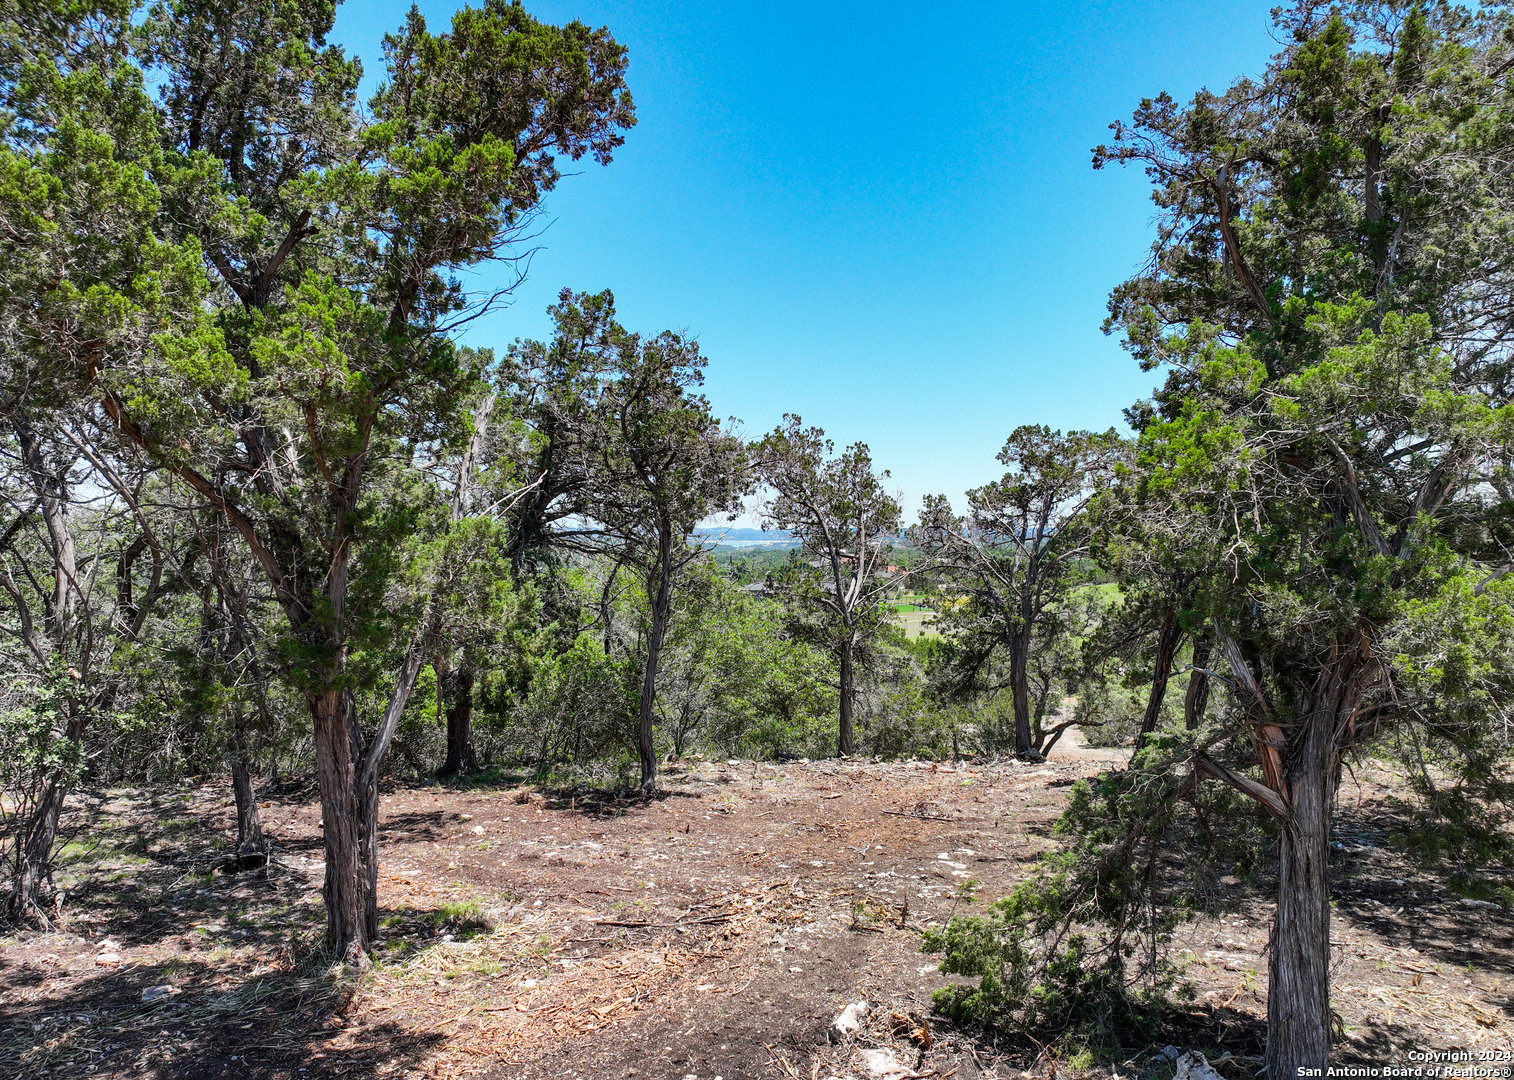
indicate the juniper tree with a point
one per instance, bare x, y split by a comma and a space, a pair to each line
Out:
846, 521
659, 463
86, 284
1330, 296
1011, 557
336, 235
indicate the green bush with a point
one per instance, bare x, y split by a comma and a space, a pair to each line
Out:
1036, 977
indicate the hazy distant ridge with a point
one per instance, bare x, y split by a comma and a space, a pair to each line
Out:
745, 537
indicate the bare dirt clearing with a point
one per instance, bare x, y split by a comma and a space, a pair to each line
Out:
713, 931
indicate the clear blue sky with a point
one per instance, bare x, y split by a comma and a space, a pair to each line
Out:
878, 216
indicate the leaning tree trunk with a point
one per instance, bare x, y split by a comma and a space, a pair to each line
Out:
34, 842
367, 833
34, 845
34, 848
662, 601
1298, 994
845, 736
457, 698
343, 825
252, 849
1169, 635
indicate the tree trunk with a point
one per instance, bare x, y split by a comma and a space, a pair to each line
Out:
1019, 688
252, 850
1197, 697
343, 826
1169, 635
457, 695
1298, 994
34, 849
661, 588
367, 831
845, 740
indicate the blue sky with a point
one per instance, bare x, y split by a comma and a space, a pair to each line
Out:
879, 216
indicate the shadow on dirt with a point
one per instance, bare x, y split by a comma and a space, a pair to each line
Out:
280, 1024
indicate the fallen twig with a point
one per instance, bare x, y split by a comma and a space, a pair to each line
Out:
922, 817
663, 925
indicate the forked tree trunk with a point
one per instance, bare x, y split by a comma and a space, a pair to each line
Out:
845, 734
343, 826
457, 698
1169, 636
34, 844
1298, 995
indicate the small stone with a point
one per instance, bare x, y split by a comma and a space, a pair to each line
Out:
478, 830
883, 1065
1194, 1066
153, 993
108, 959
849, 1022
1169, 1053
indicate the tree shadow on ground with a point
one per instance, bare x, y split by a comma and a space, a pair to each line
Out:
423, 826
1215, 1031
148, 864
292, 1023
576, 797
1412, 903
249, 994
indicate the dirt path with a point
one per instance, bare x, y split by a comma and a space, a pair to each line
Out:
714, 931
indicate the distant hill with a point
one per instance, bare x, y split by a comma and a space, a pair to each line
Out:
746, 537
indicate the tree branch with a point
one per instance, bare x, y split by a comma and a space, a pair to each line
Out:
1207, 767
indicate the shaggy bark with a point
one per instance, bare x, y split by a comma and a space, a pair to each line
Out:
845, 739
1169, 637
341, 825
1019, 688
34, 854
1196, 698
252, 849
1298, 988
457, 700
660, 592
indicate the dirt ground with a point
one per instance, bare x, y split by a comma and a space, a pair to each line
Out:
710, 933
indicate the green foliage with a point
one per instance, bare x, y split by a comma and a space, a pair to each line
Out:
38, 749
845, 519
1032, 978
570, 707
736, 680
1320, 490
1076, 953
1007, 568
1453, 655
